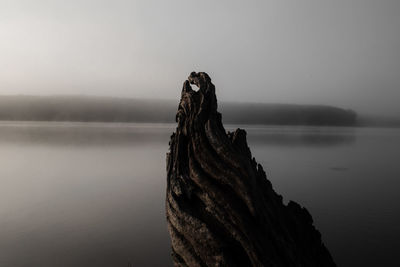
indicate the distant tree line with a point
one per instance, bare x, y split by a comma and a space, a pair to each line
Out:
109, 109
287, 114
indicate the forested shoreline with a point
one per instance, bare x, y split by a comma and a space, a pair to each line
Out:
110, 109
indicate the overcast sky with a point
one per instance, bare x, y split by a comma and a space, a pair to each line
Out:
338, 52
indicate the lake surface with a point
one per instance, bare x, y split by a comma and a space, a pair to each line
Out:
92, 194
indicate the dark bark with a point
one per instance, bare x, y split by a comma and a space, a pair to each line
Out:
221, 208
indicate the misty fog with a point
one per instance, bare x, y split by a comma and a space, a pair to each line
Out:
340, 53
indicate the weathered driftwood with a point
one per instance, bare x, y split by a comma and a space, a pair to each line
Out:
221, 209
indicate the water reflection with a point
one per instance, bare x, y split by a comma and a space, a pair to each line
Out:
304, 139
93, 134
76, 194
84, 134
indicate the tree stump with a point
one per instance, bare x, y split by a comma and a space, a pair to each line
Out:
221, 209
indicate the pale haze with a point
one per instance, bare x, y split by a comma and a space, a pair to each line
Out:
343, 52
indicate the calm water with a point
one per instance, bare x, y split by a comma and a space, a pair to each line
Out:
77, 194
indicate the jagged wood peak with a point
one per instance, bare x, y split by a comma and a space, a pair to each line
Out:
221, 208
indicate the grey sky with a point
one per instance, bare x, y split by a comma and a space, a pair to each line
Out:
338, 52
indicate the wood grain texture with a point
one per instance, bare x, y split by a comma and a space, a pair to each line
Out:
221, 209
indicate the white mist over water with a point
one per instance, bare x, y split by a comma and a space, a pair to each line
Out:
342, 53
